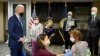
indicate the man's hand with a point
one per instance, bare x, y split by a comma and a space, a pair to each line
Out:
24, 37
21, 39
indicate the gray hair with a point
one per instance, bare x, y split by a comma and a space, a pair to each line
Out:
18, 6
70, 12
94, 8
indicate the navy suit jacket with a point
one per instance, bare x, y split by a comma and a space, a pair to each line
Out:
15, 31
94, 27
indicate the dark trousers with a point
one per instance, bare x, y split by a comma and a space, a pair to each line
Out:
68, 43
93, 44
16, 51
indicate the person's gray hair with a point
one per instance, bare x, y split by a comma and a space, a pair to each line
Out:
95, 8
70, 12
19, 5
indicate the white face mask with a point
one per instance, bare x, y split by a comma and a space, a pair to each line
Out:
93, 13
72, 39
70, 17
47, 43
36, 21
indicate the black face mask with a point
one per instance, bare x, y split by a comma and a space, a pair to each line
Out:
21, 14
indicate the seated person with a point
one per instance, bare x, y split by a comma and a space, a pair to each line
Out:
80, 48
41, 42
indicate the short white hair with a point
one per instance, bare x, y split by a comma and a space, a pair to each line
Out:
18, 6
95, 8
70, 12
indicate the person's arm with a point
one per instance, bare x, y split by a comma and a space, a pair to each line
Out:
60, 55
73, 50
11, 27
53, 54
46, 53
40, 31
99, 22
32, 33
89, 19
31, 30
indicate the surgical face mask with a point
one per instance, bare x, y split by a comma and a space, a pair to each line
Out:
72, 39
47, 43
70, 17
36, 21
93, 13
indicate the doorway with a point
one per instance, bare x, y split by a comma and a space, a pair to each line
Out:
25, 19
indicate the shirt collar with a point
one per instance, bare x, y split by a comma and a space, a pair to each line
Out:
17, 15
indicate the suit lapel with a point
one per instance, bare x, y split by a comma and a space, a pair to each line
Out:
19, 23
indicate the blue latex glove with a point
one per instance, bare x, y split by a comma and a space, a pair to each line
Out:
68, 52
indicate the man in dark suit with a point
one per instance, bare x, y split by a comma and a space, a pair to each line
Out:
93, 31
15, 31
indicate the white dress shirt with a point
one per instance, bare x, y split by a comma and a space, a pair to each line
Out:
19, 18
